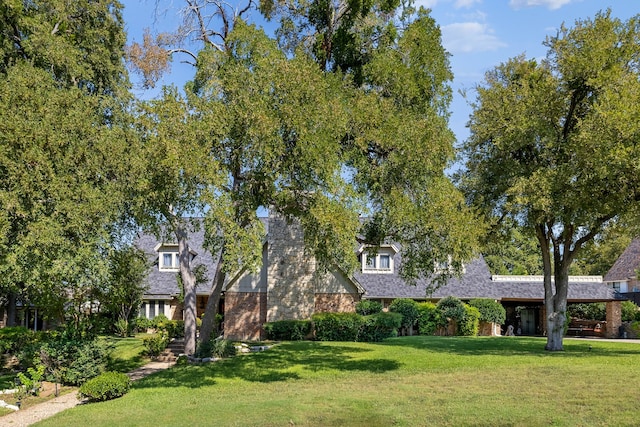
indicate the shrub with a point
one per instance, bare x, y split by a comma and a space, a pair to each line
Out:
337, 326
377, 327
121, 327
14, 339
629, 310
491, 311
216, 348
367, 307
451, 308
142, 324
72, 358
106, 386
469, 324
288, 330
160, 321
590, 311
31, 381
174, 328
408, 308
429, 318
155, 344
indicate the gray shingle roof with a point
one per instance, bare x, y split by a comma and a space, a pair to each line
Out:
626, 265
476, 282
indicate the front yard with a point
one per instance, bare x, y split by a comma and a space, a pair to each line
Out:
404, 381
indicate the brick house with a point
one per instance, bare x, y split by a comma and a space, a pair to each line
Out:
290, 286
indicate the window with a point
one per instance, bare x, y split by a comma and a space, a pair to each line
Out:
160, 307
152, 310
169, 261
382, 262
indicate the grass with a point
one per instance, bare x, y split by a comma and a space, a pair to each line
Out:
409, 381
125, 354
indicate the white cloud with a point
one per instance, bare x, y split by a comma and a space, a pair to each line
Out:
465, 37
466, 3
551, 4
427, 4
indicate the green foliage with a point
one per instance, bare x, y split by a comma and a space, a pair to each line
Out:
629, 311
288, 330
106, 386
155, 344
550, 140
72, 359
121, 327
365, 307
216, 348
223, 348
142, 324
451, 308
14, 339
408, 308
31, 381
379, 326
490, 310
512, 249
589, 311
430, 318
470, 323
337, 326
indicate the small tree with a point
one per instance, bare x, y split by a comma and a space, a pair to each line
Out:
366, 307
491, 311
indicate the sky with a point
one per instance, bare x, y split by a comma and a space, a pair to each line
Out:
479, 35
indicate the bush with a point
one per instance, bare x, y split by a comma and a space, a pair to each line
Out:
142, 324
377, 327
175, 328
216, 348
121, 327
288, 330
73, 359
469, 325
337, 326
629, 310
408, 308
491, 311
15, 338
429, 318
106, 386
155, 344
367, 307
451, 308
590, 311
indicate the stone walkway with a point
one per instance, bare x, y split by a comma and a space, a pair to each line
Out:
33, 414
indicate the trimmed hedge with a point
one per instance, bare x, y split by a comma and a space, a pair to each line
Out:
288, 330
366, 307
337, 326
470, 322
491, 311
377, 327
106, 386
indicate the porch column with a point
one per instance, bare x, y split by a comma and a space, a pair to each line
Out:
614, 319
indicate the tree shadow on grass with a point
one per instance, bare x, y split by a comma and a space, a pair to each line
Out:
281, 363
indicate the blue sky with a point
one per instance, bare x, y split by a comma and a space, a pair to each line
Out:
479, 34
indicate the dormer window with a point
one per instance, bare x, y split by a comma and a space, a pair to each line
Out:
380, 261
168, 259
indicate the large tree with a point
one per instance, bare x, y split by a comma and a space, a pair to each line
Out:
554, 145
314, 138
63, 88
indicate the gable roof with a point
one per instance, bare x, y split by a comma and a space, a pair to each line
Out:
626, 265
477, 282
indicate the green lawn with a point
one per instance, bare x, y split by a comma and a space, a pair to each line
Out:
406, 382
125, 354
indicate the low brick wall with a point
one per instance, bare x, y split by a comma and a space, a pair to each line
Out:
244, 315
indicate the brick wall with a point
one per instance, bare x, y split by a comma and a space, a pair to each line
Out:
336, 302
244, 315
614, 319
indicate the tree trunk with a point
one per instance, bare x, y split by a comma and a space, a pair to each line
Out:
12, 310
189, 285
209, 318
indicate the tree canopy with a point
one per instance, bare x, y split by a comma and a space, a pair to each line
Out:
554, 145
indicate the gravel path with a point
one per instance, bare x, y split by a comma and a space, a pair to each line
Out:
33, 414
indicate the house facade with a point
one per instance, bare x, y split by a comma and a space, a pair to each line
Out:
623, 275
290, 285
